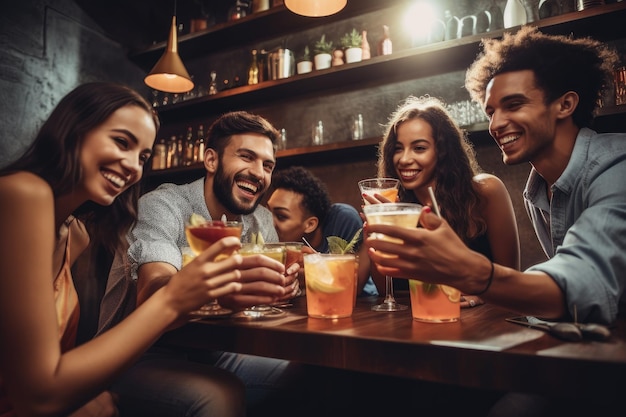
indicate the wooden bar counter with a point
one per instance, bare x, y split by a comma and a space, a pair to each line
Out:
482, 350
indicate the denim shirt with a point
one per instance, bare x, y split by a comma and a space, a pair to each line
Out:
582, 229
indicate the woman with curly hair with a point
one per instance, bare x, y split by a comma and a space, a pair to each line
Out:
423, 147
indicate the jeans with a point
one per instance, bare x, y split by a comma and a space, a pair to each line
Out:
172, 383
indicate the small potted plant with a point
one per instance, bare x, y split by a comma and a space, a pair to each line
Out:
322, 50
304, 64
351, 42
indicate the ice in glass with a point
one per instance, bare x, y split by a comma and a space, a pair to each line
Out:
331, 281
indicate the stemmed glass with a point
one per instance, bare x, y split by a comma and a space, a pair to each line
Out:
277, 252
387, 187
396, 214
200, 237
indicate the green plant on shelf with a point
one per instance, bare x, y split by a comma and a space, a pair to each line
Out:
322, 46
351, 40
306, 55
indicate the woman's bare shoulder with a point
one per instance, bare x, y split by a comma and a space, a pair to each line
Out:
488, 185
24, 188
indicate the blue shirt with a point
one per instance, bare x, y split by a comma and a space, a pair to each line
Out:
343, 220
583, 228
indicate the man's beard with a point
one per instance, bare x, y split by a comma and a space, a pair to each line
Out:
222, 188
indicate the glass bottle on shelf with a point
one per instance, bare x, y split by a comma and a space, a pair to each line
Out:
385, 47
357, 127
172, 158
212, 84
253, 69
199, 146
188, 148
159, 159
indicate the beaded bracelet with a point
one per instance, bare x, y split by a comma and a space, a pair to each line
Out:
489, 281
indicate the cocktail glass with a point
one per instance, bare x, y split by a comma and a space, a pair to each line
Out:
331, 281
434, 303
387, 187
200, 237
397, 214
277, 252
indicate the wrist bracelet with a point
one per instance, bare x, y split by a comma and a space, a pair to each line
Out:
489, 281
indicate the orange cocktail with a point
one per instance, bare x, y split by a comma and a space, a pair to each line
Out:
387, 187
330, 284
434, 303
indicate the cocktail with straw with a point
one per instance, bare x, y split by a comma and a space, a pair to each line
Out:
397, 214
434, 303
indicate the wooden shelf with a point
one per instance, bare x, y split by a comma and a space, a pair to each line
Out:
275, 22
603, 22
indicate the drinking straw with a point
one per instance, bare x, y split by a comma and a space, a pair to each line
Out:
435, 205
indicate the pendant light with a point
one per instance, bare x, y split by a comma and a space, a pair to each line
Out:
315, 8
169, 73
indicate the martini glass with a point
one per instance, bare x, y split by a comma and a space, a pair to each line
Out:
387, 187
277, 252
200, 237
397, 214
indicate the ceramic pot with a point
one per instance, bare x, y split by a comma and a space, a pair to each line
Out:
322, 61
354, 55
304, 66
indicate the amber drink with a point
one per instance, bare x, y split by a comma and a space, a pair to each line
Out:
331, 281
434, 303
387, 187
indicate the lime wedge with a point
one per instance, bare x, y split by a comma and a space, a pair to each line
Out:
453, 294
196, 220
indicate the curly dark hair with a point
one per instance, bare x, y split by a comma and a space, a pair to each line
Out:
559, 63
238, 122
55, 155
455, 168
315, 197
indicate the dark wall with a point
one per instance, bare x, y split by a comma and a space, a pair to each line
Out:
46, 49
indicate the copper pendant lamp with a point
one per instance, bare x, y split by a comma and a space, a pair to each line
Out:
169, 73
315, 8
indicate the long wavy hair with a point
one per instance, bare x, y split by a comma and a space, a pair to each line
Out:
55, 155
455, 168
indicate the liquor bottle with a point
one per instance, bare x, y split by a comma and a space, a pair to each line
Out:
159, 159
199, 146
385, 46
212, 84
253, 70
188, 148
172, 157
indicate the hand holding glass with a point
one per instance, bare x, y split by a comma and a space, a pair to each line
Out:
276, 252
387, 187
200, 237
397, 214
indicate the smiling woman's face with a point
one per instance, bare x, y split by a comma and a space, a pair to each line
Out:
113, 155
415, 156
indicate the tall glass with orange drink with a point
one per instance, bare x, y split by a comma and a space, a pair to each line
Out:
331, 281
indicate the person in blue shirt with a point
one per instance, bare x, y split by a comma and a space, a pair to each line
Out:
539, 92
302, 207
